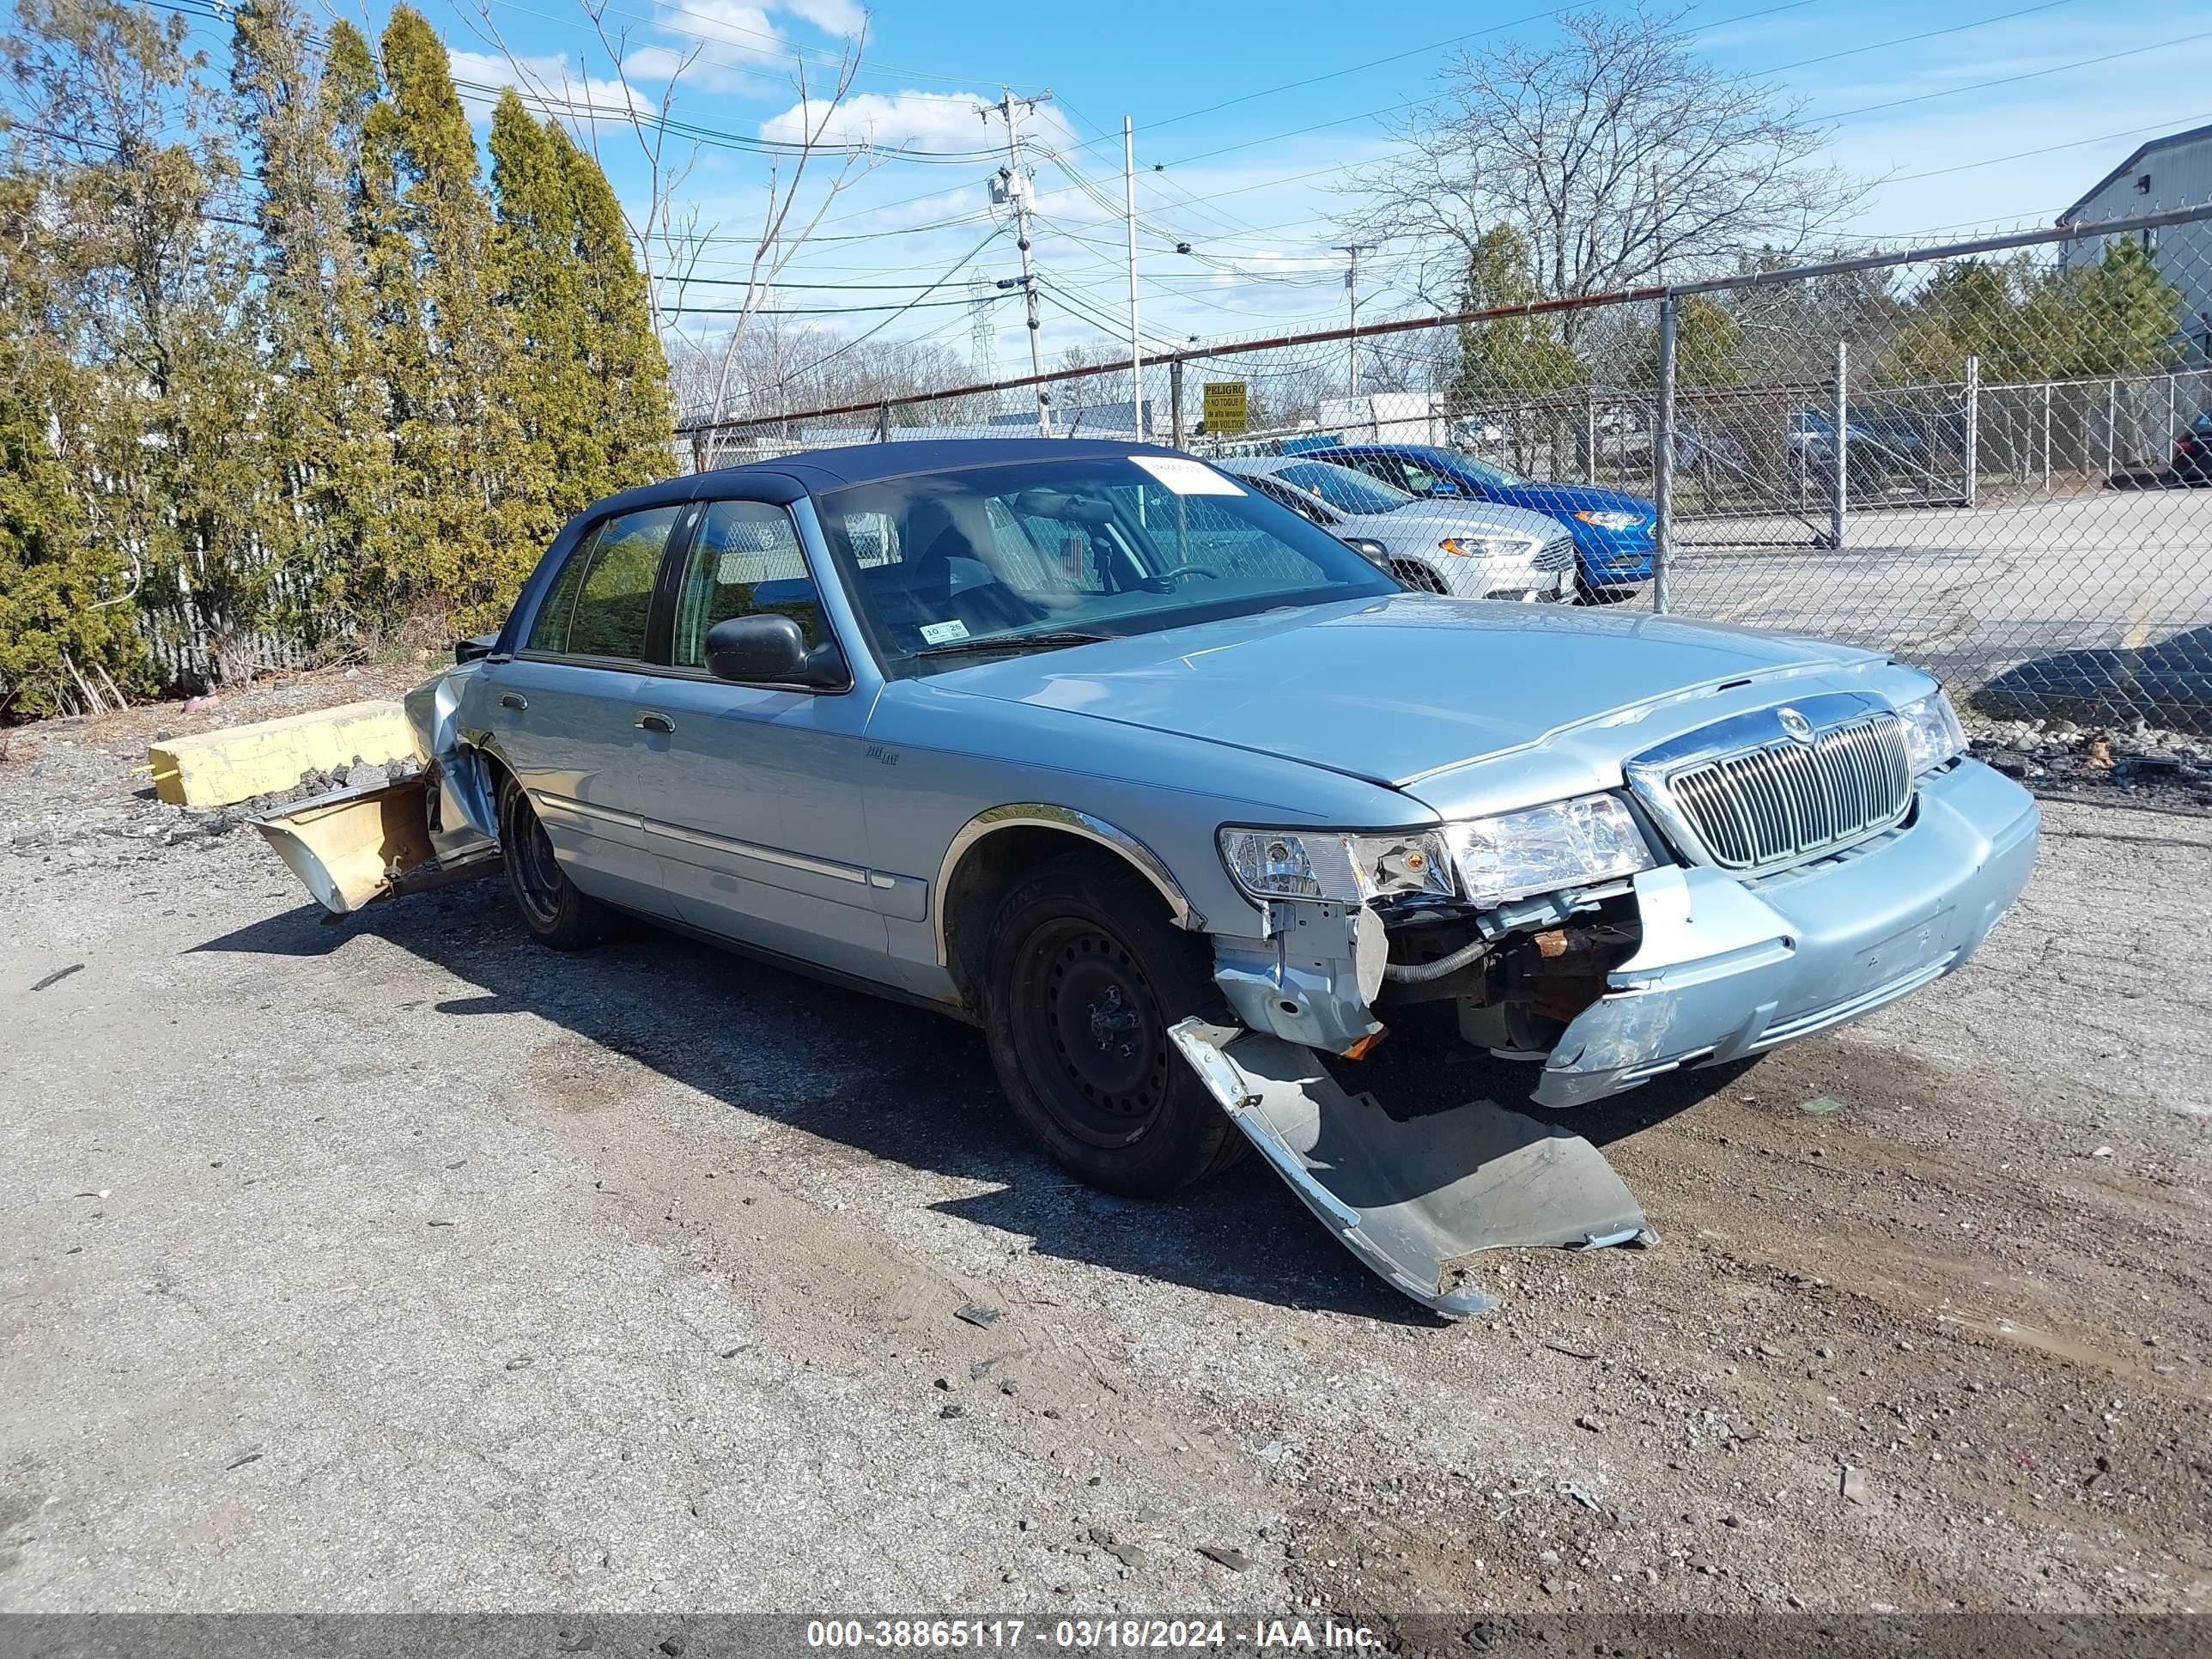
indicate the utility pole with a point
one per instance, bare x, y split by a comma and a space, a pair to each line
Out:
1352, 287
1014, 189
1136, 351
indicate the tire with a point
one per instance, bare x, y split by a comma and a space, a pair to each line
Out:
557, 912
1086, 975
1419, 577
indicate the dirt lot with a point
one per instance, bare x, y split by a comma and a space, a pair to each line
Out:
397, 1264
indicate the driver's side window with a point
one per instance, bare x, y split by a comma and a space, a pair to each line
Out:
744, 560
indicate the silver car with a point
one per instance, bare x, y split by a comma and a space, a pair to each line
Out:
1479, 550
1185, 804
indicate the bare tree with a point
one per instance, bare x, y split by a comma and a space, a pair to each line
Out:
1618, 155
669, 232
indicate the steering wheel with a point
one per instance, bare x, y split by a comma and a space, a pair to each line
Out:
1170, 574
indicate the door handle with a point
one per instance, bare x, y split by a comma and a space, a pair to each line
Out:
513, 700
649, 721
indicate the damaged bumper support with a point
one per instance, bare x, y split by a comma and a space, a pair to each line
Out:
1728, 968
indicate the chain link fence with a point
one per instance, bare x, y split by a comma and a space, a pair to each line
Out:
1992, 459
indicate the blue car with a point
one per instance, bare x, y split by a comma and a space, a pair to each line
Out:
1612, 529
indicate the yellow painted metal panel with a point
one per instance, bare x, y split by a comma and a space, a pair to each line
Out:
217, 768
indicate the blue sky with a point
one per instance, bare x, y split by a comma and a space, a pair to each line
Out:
1247, 169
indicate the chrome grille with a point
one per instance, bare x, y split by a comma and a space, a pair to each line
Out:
1760, 809
1556, 555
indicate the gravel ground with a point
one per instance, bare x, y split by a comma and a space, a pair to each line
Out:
397, 1264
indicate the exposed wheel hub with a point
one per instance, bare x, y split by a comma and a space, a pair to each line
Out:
1103, 1067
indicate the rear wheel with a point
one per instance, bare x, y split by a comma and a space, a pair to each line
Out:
1087, 975
557, 912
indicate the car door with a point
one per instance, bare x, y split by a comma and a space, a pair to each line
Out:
750, 794
561, 711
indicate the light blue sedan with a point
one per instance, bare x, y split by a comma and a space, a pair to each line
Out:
1174, 794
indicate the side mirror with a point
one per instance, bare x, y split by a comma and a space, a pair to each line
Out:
1443, 488
764, 648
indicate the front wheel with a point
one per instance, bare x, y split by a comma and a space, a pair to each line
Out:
1087, 975
555, 911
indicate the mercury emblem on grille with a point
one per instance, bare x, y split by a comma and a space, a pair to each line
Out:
1795, 725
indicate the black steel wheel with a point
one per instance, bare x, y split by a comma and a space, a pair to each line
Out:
553, 908
1088, 975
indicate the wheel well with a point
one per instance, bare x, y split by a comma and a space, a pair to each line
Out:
1416, 574
990, 866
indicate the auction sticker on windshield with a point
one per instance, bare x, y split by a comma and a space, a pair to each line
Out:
1187, 477
944, 633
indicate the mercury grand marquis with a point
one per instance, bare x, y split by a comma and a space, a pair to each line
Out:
1186, 804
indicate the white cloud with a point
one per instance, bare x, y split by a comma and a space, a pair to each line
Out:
935, 122
839, 17
549, 86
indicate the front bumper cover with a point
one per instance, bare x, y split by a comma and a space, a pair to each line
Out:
1728, 969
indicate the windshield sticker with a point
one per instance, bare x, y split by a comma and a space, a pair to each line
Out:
944, 633
1187, 477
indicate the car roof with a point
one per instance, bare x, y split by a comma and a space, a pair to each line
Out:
854, 464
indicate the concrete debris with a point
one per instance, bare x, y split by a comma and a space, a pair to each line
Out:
1852, 1486
978, 1314
1235, 1560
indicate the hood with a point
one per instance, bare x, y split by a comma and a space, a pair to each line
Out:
1390, 688
1425, 523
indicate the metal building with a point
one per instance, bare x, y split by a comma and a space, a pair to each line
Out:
2172, 172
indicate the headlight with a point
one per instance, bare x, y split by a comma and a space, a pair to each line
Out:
1612, 520
1489, 547
1568, 843
1322, 864
1932, 732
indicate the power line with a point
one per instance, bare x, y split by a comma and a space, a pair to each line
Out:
2010, 79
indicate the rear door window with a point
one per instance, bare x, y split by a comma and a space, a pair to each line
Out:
602, 602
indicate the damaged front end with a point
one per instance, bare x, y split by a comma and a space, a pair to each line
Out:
1650, 963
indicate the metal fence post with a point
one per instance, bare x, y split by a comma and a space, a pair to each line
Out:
1590, 435
2046, 435
1840, 442
883, 424
1175, 403
1662, 461
2112, 425
1973, 428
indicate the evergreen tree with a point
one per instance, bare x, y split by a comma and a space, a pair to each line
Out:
622, 344
323, 514
68, 630
446, 346
541, 280
136, 180
1510, 358
594, 390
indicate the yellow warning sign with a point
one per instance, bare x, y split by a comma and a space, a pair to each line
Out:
1224, 406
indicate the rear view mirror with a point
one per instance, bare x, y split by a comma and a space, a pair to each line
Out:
764, 650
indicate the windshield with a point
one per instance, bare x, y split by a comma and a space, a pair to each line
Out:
945, 568
1493, 477
1343, 489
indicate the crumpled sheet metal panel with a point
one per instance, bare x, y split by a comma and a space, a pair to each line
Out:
1412, 1199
